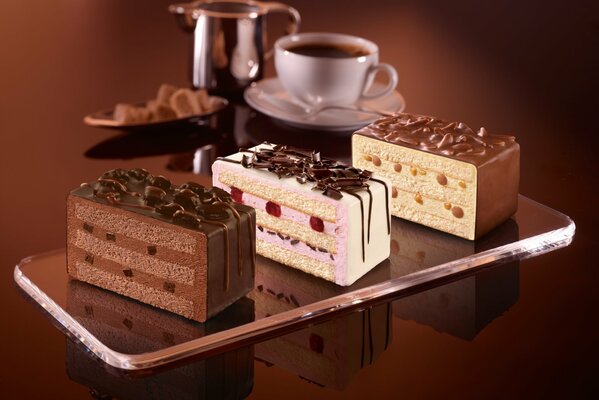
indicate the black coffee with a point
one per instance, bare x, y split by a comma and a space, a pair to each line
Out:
329, 50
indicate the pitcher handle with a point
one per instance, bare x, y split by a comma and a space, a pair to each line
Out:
294, 19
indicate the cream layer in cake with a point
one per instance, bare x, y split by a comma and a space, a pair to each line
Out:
312, 214
443, 175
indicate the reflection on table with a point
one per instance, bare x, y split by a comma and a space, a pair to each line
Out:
128, 326
464, 307
328, 354
195, 147
225, 376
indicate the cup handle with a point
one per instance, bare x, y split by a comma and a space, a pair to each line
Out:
294, 19
390, 86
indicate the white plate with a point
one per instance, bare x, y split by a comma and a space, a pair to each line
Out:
269, 97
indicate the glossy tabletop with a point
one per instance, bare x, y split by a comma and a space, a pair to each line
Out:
517, 330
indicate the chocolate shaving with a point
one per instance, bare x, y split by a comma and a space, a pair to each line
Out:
437, 136
316, 157
294, 300
89, 258
169, 287
328, 176
128, 323
88, 227
246, 161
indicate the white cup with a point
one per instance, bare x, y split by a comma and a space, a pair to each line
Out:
323, 81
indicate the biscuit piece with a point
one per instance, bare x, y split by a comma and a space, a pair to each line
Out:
160, 111
130, 114
165, 92
185, 103
203, 100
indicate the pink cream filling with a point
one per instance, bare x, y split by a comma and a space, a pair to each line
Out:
339, 230
290, 214
300, 248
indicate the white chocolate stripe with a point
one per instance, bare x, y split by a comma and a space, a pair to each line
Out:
132, 259
143, 293
135, 229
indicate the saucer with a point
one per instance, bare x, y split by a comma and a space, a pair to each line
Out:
268, 97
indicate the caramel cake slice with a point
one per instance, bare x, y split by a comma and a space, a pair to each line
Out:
444, 175
313, 214
327, 354
186, 249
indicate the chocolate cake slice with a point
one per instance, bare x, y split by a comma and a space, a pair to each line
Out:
444, 174
186, 249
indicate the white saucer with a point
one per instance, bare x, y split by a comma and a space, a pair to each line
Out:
269, 97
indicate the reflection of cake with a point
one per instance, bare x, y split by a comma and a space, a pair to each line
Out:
186, 249
330, 353
313, 214
225, 376
444, 175
460, 308
131, 327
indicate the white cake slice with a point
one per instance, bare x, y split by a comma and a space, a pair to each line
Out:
313, 214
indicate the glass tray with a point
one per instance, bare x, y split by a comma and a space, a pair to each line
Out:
129, 335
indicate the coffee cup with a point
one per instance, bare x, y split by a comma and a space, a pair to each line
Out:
324, 69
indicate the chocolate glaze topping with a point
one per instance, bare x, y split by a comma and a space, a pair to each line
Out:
330, 177
452, 139
190, 205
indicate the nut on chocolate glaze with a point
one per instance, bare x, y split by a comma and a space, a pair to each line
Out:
451, 139
190, 205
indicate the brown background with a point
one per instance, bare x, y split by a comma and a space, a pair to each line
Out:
527, 68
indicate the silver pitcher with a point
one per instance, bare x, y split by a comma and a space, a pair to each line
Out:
229, 40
